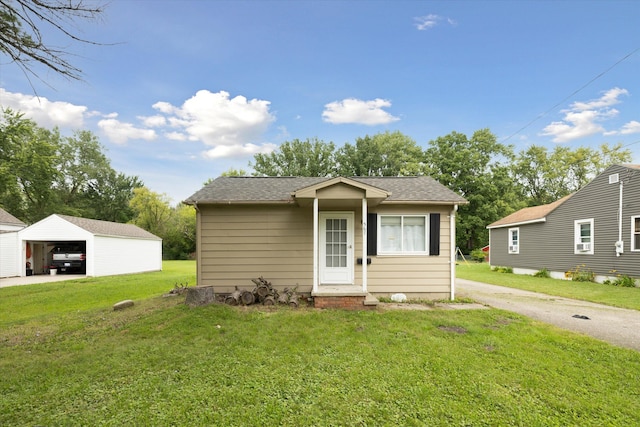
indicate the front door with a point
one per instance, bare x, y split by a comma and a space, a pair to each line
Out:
336, 248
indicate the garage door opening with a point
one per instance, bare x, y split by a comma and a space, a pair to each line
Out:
68, 257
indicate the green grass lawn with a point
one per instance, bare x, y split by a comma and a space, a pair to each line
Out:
163, 363
586, 291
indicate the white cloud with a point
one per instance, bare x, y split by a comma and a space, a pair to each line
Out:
164, 107
358, 111
120, 132
584, 119
230, 126
427, 22
176, 136
153, 121
45, 113
216, 119
239, 150
609, 98
631, 127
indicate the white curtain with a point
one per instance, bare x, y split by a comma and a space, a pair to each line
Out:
403, 234
391, 233
414, 234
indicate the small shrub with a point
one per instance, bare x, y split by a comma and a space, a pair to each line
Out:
580, 274
478, 255
542, 273
498, 269
621, 280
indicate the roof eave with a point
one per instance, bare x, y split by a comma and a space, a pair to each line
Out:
513, 224
238, 202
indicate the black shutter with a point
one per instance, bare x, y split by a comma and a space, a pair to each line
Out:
434, 234
372, 234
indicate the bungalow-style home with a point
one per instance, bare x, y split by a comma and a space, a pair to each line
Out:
9, 227
337, 239
595, 229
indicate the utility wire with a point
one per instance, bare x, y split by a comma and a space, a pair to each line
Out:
571, 95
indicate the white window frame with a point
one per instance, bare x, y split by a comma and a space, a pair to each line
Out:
381, 250
578, 240
635, 235
511, 247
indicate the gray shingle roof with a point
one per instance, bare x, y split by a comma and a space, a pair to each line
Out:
280, 189
106, 228
7, 218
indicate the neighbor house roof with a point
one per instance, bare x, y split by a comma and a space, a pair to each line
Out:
529, 215
107, 228
7, 218
230, 190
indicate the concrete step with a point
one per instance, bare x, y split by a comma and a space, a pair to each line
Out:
370, 300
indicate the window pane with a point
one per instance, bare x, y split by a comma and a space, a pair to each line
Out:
637, 225
390, 237
514, 237
414, 234
585, 233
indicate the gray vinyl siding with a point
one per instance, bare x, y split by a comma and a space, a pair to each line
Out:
551, 244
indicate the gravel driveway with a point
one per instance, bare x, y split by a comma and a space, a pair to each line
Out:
617, 326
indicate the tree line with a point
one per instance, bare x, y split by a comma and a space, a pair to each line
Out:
492, 176
43, 172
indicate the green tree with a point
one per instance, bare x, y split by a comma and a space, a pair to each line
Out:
311, 157
43, 173
548, 176
232, 172
29, 168
81, 163
108, 196
478, 169
179, 242
152, 211
14, 130
383, 154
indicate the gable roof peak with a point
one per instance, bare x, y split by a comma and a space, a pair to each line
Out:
530, 214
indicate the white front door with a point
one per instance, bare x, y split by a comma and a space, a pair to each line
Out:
336, 248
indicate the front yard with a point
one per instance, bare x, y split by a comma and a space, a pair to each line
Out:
163, 363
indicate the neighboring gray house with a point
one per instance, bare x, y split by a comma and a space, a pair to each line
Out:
338, 239
596, 228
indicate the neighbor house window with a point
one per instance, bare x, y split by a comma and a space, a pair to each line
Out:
402, 234
583, 236
635, 233
514, 240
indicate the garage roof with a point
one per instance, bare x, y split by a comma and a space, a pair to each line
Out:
106, 228
7, 218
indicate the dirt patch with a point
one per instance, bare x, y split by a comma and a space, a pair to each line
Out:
403, 306
454, 329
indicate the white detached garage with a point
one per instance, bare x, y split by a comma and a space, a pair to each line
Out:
111, 248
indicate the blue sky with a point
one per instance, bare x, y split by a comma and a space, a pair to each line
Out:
181, 91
